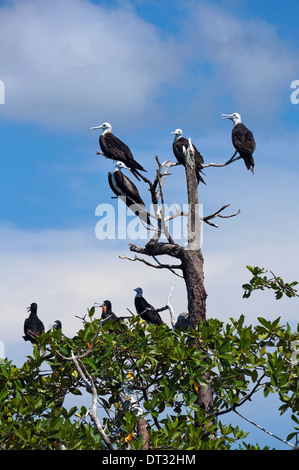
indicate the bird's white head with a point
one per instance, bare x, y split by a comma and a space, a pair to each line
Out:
177, 134
235, 117
120, 166
105, 126
138, 291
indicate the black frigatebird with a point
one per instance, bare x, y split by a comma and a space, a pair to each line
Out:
33, 326
107, 313
122, 186
145, 310
243, 141
179, 146
115, 149
56, 325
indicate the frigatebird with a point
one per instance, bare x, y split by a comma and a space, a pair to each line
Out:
243, 140
145, 310
179, 146
115, 149
122, 186
33, 326
57, 325
182, 322
107, 313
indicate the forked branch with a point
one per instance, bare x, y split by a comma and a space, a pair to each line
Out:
159, 265
217, 214
219, 165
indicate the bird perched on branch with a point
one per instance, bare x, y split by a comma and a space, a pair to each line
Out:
33, 326
243, 140
107, 311
182, 322
179, 146
56, 325
122, 186
115, 149
146, 311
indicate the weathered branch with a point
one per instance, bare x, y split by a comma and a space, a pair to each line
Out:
194, 221
153, 248
159, 265
218, 165
171, 267
93, 414
217, 214
160, 178
178, 213
170, 307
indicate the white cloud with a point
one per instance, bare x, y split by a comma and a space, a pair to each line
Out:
72, 63
250, 65
65, 272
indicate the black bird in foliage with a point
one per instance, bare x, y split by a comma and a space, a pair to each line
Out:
33, 326
57, 325
146, 310
121, 185
182, 322
179, 146
115, 149
243, 140
107, 313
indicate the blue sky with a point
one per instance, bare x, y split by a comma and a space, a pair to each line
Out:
147, 67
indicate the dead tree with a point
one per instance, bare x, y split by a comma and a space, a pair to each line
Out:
190, 265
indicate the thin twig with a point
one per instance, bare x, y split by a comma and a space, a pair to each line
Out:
284, 287
170, 307
93, 414
263, 429
207, 218
159, 265
257, 387
218, 165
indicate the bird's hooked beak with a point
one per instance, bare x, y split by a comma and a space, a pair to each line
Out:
98, 304
96, 127
227, 116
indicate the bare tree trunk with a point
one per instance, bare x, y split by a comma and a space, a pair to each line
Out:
190, 256
142, 431
193, 272
192, 259
192, 267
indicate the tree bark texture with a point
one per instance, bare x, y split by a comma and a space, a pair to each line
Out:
192, 259
191, 265
193, 272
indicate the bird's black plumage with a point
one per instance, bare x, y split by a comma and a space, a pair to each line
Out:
57, 325
107, 313
33, 326
244, 143
113, 148
146, 310
182, 322
121, 185
243, 140
179, 146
